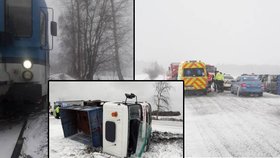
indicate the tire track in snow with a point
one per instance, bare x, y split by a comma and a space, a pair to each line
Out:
242, 135
257, 138
232, 113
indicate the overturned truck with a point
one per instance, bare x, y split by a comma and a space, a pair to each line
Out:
123, 129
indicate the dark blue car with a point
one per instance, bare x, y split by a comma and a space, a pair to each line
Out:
247, 85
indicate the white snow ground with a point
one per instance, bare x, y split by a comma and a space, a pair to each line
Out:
175, 127
104, 76
227, 125
61, 76
36, 136
9, 133
146, 77
61, 147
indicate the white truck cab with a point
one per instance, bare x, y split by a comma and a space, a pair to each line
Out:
126, 127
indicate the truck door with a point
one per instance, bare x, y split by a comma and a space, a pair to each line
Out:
115, 129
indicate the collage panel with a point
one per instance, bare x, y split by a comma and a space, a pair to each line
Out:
116, 119
94, 40
204, 78
42, 40
227, 54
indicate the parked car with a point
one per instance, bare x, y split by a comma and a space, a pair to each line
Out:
270, 84
227, 81
247, 85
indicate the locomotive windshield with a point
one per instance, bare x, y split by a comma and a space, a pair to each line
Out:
18, 17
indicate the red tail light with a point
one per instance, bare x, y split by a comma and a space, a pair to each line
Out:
243, 84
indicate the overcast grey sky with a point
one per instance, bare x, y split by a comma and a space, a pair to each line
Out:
112, 91
214, 31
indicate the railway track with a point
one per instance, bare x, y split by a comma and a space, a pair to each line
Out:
20, 140
12, 128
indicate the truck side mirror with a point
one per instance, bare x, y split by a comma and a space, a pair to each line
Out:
53, 28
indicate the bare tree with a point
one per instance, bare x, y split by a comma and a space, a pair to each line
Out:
92, 36
154, 70
161, 98
116, 44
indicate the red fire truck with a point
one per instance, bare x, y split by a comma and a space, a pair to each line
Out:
172, 71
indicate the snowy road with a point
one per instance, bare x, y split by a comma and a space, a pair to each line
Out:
227, 125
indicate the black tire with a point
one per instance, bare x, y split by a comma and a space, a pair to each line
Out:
261, 94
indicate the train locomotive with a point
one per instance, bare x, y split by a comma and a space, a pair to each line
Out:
24, 50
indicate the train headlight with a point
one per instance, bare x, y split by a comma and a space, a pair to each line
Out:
27, 75
27, 64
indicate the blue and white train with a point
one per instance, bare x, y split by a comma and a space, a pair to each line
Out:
24, 50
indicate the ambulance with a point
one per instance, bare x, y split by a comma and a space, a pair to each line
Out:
126, 127
194, 75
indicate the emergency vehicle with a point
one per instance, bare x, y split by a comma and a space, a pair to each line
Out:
194, 75
172, 71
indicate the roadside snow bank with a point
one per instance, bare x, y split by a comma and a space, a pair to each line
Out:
61, 76
165, 144
167, 126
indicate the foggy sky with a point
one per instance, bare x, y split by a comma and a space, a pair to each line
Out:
214, 31
112, 91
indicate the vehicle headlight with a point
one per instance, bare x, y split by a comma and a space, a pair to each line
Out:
27, 64
27, 75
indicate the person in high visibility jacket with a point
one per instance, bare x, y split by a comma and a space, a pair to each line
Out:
219, 78
214, 81
57, 114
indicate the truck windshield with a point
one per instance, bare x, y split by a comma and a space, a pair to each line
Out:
210, 69
193, 72
18, 17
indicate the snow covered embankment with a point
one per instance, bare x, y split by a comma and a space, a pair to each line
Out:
167, 141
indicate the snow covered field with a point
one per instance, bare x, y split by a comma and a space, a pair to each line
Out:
35, 136
168, 142
146, 77
61, 76
227, 125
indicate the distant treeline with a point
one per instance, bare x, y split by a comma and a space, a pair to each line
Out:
166, 113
